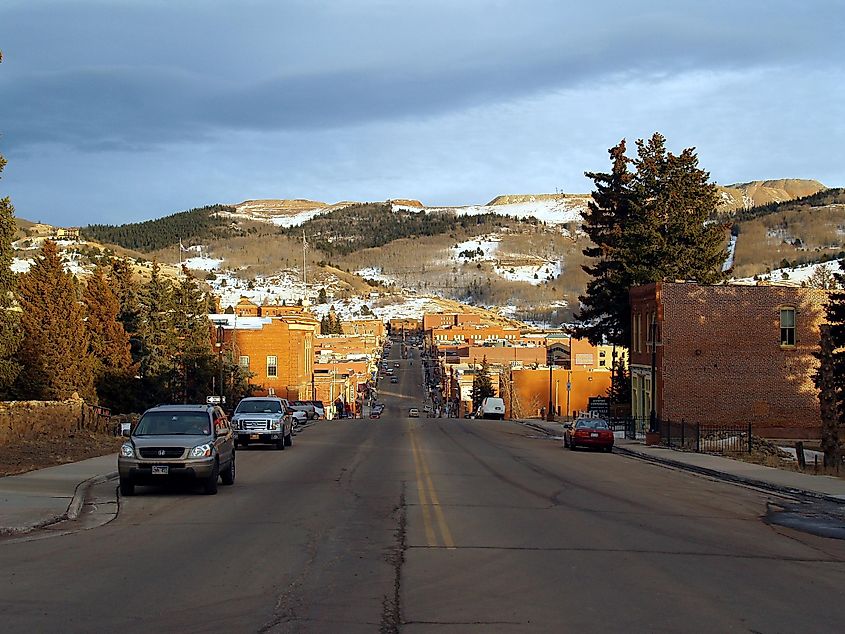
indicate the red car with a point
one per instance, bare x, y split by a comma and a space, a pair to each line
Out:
588, 432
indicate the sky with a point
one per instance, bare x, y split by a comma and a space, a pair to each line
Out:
116, 111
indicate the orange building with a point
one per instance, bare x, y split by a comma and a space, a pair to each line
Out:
440, 320
274, 310
374, 327
472, 334
246, 308
405, 326
277, 351
527, 390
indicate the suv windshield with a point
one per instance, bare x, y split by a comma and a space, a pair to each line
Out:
259, 407
174, 424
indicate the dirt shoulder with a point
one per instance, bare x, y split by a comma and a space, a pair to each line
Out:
49, 450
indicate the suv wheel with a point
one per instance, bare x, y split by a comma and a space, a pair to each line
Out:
289, 439
280, 444
228, 476
209, 487
127, 487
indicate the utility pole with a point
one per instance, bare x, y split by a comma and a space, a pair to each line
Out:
653, 418
550, 413
304, 278
220, 333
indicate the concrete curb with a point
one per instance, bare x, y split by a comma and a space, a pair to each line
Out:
727, 477
81, 492
718, 475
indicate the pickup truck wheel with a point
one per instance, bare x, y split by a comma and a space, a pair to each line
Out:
209, 487
127, 487
228, 476
289, 440
280, 444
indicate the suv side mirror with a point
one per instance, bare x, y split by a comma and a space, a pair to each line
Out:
567, 425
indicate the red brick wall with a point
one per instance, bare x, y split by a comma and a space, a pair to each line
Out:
721, 360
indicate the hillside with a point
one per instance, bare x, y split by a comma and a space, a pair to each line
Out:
367, 225
203, 223
789, 234
757, 193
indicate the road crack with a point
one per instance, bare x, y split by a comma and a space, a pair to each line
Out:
391, 616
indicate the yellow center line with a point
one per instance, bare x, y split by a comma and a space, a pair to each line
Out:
429, 530
432, 494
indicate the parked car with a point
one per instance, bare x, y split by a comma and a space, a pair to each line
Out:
394, 379
319, 408
377, 410
588, 432
305, 406
413, 413
193, 442
264, 419
492, 407
396, 364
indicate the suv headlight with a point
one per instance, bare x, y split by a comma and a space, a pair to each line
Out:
201, 451
127, 450
275, 424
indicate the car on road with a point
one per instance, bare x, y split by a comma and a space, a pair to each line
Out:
492, 407
307, 407
588, 432
413, 413
394, 379
264, 419
396, 365
377, 410
190, 442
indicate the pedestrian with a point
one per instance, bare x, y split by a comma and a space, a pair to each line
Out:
542, 412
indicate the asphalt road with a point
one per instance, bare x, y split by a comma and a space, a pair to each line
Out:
420, 525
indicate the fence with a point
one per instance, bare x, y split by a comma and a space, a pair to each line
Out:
704, 438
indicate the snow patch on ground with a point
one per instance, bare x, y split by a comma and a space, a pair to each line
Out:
534, 274
376, 274
21, 266
202, 263
791, 275
729, 262
487, 245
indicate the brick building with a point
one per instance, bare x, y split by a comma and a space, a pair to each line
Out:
440, 320
278, 351
373, 327
728, 354
401, 327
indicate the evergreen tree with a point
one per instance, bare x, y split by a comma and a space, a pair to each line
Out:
158, 347
830, 377
125, 289
647, 225
321, 297
324, 325
109, 344
10, 335
605, 306
196, 362
55, 356
482, 385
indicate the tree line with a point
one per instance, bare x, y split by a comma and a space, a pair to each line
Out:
368, 225
821, 198
202, 223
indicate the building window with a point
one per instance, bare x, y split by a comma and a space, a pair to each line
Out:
244, 362
787, 326
272, 367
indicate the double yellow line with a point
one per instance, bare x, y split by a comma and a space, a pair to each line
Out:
429, 502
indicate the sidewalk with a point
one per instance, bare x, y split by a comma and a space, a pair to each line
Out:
769, 478
35, 499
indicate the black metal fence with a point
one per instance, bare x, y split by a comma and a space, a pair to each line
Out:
705, 438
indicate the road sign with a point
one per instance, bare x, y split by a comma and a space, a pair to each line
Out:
599, 406
214, 400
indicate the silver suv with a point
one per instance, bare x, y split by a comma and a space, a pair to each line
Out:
264, 419
178, 441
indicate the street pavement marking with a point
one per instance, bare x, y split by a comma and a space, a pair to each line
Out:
429, 530
420, 464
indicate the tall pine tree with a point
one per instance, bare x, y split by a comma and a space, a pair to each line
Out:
109, 344
482, 385
647, 225
604, 307
196, 360
158, 347
55, 356
10, 335
830, 377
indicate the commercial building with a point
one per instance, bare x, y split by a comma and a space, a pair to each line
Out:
727, 354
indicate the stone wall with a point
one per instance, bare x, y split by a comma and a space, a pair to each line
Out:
21, 420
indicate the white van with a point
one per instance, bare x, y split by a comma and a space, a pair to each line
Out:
493, 407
